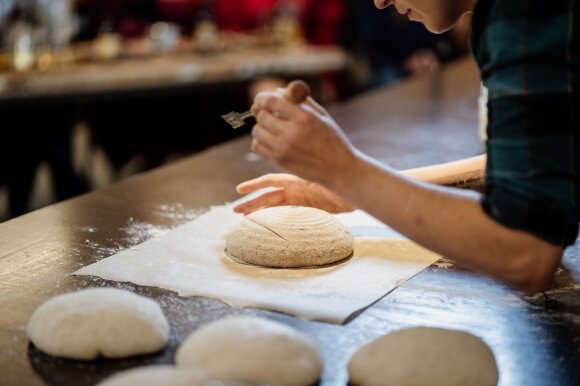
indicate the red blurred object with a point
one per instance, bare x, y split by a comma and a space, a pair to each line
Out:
180, 11
321, 19
243, 15
133, 27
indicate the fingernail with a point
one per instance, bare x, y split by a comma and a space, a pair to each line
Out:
260, 99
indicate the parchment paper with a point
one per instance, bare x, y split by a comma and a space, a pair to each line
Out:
190, 261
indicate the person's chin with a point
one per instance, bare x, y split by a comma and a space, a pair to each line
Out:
437, 27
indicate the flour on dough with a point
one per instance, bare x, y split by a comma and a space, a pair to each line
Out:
98, 321
253, 350
424, 356
289, 237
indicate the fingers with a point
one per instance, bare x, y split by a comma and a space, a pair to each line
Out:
309, 101
269, 122
279, 180
262, 149
265, 142
316, 106
275, 103
266, 200
265, 136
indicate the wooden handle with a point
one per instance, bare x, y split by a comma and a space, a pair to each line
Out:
296, 92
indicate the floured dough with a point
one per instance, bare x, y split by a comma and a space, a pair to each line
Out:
157, 375
254, 350
98, 321
424, 356
289, 237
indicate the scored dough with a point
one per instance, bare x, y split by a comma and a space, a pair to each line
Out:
254, 350
98, 321
289, 237
156, 375
424, 356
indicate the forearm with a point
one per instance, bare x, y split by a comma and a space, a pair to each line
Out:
448, 221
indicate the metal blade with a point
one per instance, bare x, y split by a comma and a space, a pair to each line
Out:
235, 119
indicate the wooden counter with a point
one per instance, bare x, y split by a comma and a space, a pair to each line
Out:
535, 339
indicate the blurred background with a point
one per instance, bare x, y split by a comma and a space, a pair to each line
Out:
93, 91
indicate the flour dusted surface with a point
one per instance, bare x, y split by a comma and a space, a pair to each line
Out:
189, 260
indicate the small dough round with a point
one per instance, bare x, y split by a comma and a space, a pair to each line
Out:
98, 321
424, 356
156, 375
289, 237
253, 350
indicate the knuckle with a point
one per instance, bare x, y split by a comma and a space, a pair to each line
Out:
293, 138
261, 116
271, 102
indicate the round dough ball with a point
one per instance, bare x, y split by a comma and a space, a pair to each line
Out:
289, 237
424, 356
157, 375
98, 321
254, 350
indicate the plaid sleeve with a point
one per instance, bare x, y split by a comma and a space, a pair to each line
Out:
529, 57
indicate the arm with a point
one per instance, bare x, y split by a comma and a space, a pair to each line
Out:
293, 190
306, 141
451, 222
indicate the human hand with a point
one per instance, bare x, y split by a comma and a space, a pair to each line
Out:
303, 139
422, 62
291, 190
264, 84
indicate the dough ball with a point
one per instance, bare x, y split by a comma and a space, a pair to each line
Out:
289, 237
98, 321
158, 375
254, 350
424, 356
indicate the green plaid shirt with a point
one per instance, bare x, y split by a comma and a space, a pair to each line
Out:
528, 52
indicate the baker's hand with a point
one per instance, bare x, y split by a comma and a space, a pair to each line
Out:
302, 139
291, 190
422, 62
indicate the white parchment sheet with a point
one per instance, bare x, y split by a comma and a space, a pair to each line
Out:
189, 260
